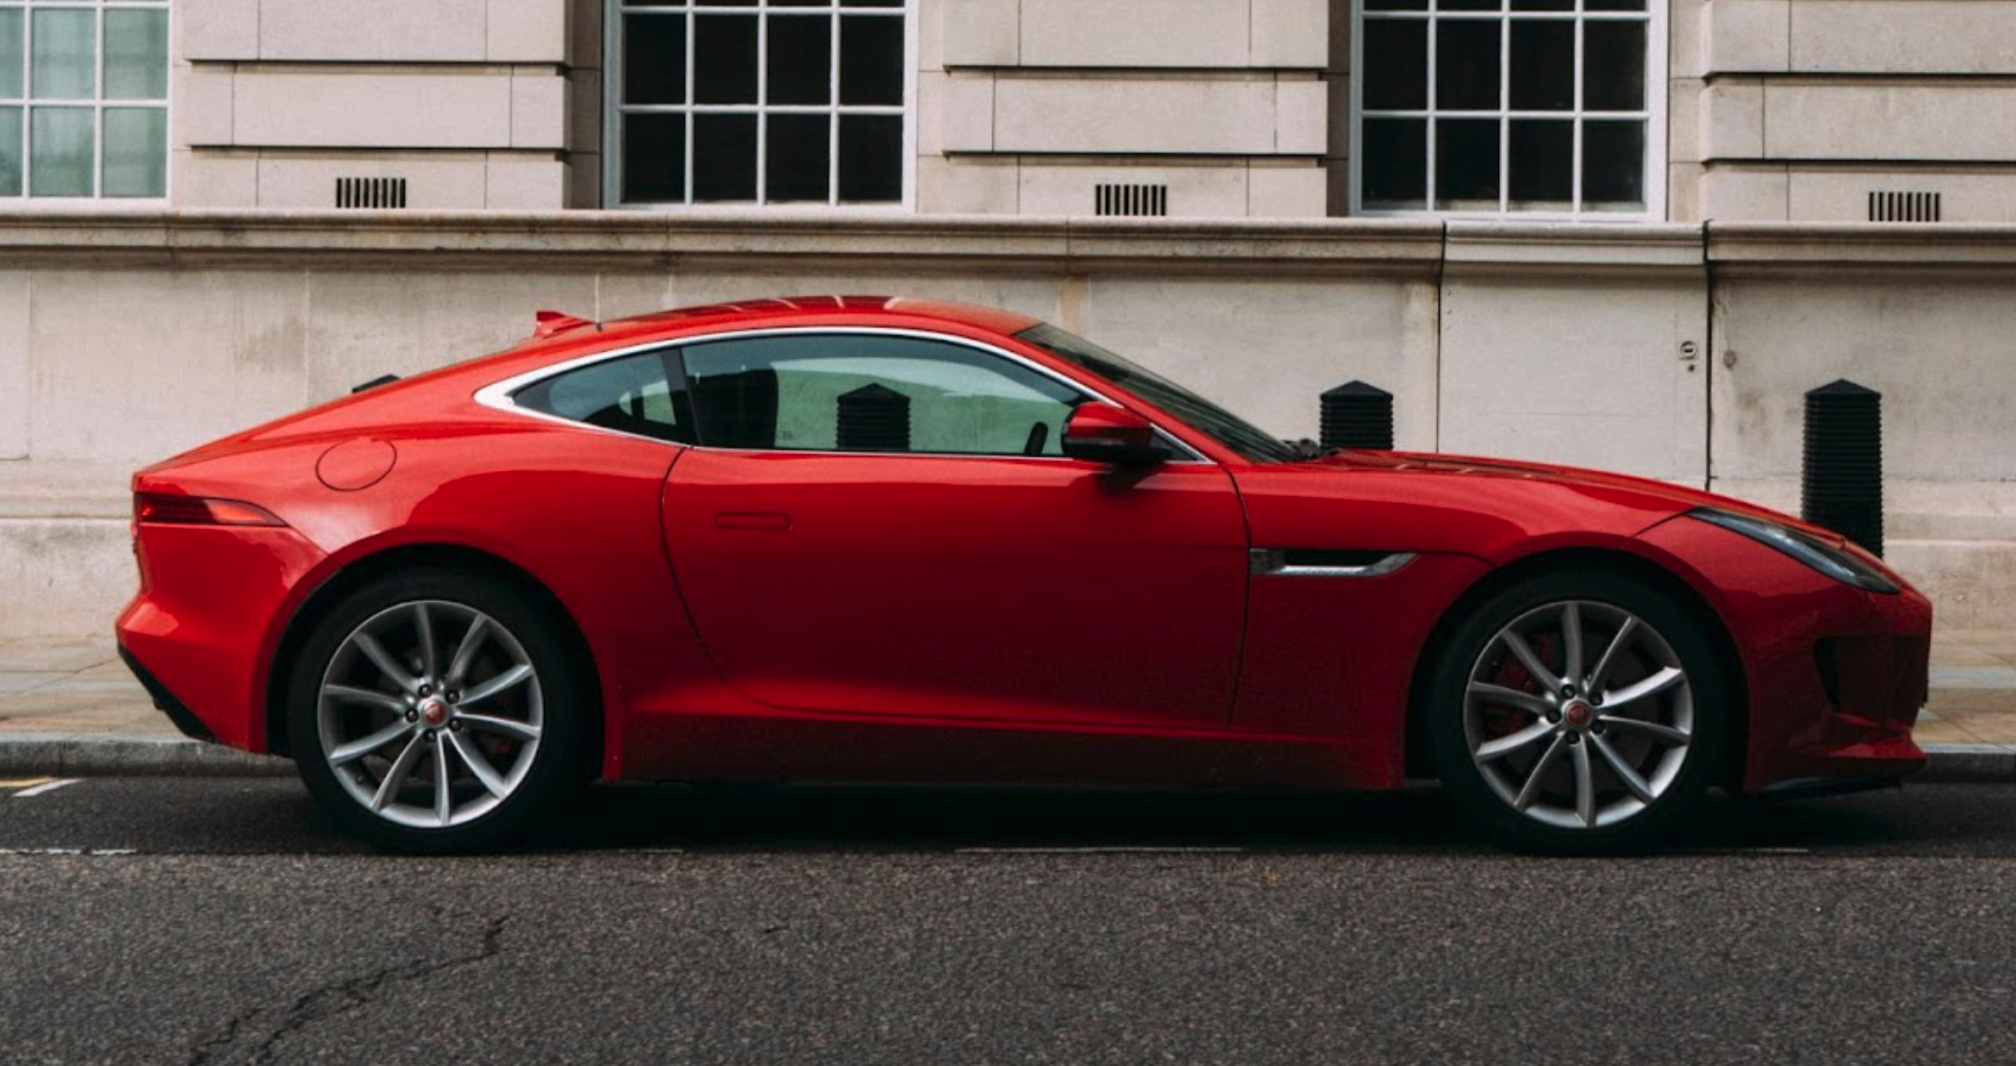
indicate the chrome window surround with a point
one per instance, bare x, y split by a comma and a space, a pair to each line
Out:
498, 395
1274, 561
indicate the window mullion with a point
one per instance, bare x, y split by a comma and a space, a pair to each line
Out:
98, 103
762, 101
833, 115
1504, 113
686, 127
1430, 134
1575, 142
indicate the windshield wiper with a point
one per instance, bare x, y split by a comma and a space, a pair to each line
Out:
1305, 449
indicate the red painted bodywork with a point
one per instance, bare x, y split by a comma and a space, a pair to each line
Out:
777, 615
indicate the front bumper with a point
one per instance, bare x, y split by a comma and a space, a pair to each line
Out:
1833, 676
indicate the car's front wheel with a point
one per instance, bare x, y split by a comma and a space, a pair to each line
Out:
436, 711
1577, 713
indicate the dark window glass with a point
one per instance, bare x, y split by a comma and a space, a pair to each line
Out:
1469, 5
871, 158
1543, 5
1466, 65
856, 392
1396, 5
633, 394
724, 59
654, 59
1395, 170
1615, 5
654, 158
1543, 65
871, 61
871, 3
798, 149
1613, 164
724, 157
1466, 164
1613, 66
1540, 157
1396, 54
801, 60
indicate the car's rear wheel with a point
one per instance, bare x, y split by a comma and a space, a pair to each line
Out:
1577, 713
436, 711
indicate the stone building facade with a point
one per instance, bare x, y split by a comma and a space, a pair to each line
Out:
1626, 233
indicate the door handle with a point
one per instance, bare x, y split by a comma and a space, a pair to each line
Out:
752, 520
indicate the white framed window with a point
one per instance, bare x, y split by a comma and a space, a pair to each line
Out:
758, 102
1535, 108
83, 99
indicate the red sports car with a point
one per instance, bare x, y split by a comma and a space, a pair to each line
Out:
892, 540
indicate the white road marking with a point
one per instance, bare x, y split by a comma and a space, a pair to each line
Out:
1123, 850
26, 782
46, 787
94, 853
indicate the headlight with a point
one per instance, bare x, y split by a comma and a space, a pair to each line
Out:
1818, 554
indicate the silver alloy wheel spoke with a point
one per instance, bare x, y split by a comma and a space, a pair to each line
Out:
374, 739
1585, 786
472, 757
1521, 740
465, 652
1666, 733
1635, 784
1512, 697
1651, 686
346, 694
517, 675
401, 769
383, 660
1571, 644
1534, 777
1524, 653
1591, 758
423, 625
1599, 678
507, 726
350, 753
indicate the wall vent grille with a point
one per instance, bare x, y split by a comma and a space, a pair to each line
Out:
1904, 207
370, 192
1149, 201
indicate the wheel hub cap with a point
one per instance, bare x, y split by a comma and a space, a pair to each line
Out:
1578, 714
433, 710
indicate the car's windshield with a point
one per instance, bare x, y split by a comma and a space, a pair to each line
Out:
1221, 425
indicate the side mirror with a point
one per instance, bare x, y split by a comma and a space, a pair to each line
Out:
1103, 433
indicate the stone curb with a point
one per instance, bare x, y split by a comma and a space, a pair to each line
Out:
97, 755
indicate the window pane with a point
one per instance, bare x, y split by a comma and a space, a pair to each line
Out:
1613, 166
59, 151
1395, 168
1466, 65
654, 59
1543, 5
1613, 66
65, 55
11, 59
136, 55
136, 151
1470, 5
1543, 65
1396, 64
1396, 5
798, 150
1541, 161
871, 158
724, 157
801, 60
1466, 164
724, 59
871, 61
10, 151
630, 394
654, 158
871, 3
1614, 5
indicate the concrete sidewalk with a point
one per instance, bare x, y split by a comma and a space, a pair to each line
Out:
71, 708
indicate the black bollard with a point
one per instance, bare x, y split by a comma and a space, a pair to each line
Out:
1841, 486
1357, 415
873, 418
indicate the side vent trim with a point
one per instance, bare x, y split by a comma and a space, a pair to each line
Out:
380, 193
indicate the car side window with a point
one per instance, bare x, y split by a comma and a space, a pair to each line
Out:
634, 394
872, 393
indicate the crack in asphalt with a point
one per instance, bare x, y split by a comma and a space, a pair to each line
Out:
341, 997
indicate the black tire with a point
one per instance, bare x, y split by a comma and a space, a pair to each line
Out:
529, 733
1487, 744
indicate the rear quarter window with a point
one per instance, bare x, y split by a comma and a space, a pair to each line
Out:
634, 394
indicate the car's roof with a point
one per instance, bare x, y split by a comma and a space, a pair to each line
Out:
799, 308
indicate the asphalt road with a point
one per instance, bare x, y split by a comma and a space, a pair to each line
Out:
221, 921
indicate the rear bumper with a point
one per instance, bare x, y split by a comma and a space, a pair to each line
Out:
165, 701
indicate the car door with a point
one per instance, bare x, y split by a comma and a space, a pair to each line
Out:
883, 523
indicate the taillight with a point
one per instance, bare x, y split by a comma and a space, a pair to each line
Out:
165, 509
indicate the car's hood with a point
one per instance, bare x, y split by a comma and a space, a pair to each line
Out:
1493, 509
